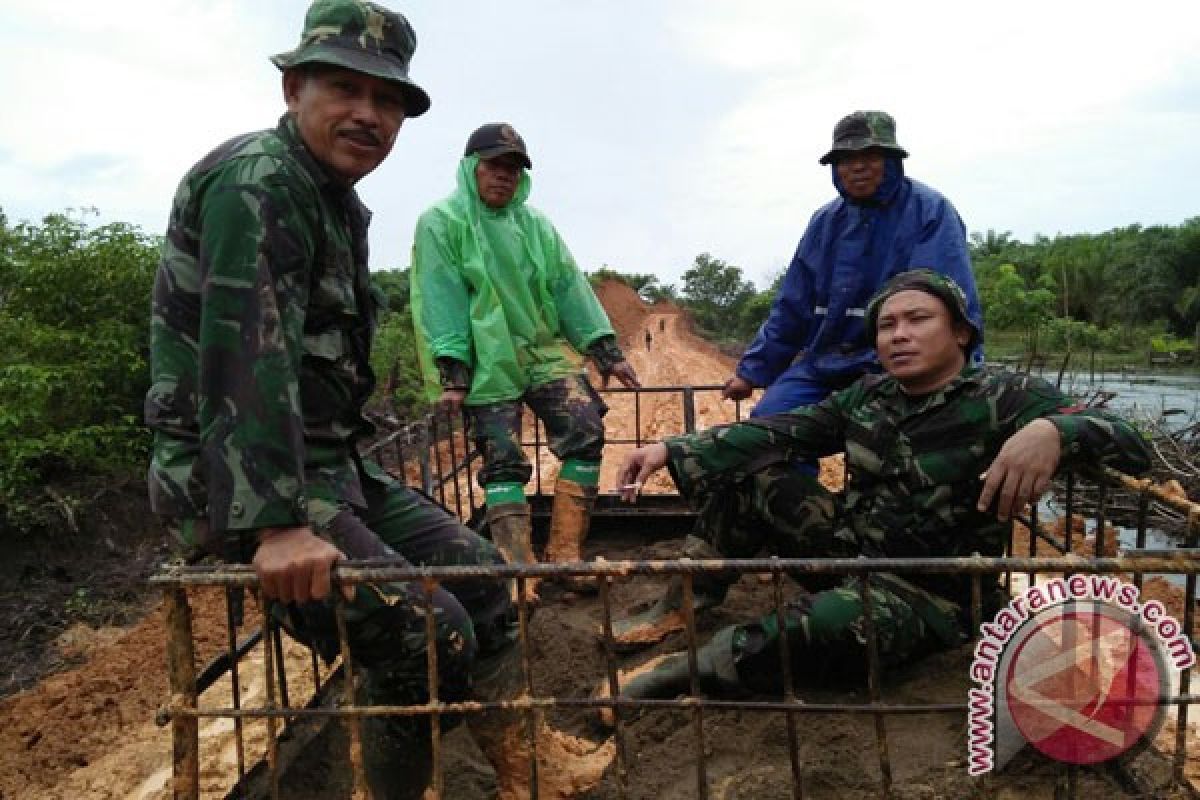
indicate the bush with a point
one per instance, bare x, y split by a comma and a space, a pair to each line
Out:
74, 339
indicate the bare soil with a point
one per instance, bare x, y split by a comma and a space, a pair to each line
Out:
82, 665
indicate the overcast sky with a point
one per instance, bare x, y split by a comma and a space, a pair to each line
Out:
658, 129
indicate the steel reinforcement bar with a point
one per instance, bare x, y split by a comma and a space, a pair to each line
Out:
183, 711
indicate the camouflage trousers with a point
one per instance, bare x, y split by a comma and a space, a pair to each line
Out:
386, 621
787, 513
572, 412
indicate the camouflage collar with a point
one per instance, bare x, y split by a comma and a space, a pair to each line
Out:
969, 376
325, 180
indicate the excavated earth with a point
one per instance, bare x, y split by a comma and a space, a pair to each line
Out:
82, 654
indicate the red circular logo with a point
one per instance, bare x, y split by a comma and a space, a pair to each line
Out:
1084, 686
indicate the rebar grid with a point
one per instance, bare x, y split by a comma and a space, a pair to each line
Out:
183, 709
425, 446
431, 446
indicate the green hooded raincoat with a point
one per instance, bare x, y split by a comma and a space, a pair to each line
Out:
498, 290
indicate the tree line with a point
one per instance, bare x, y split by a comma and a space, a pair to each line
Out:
75, 302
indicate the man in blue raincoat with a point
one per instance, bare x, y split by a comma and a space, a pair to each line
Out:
815, 339
882, 223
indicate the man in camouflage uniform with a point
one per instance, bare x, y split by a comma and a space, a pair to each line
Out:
881, 223
263, 316
940, 454
502, 313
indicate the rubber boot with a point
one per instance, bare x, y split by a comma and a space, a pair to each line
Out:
666, 615
666, 676
511, 526
397, 762
566, 765
397, 751
570, 518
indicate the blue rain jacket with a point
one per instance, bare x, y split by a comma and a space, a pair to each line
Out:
849, 250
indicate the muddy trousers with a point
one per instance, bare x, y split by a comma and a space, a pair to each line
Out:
827, 636
572, 413
778, 510
386, 621
787, 513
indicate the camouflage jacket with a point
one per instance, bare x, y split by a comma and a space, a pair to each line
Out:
914, 463
260, 337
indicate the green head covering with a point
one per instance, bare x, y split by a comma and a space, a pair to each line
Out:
361, 36
861, 130
930, 282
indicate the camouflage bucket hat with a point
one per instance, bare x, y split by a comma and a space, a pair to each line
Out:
861, 130
361, 36
925, 280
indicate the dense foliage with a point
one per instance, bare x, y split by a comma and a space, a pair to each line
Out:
1129, 288
394, 357
74, 369
74, 307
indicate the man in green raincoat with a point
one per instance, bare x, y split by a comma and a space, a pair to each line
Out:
502, 315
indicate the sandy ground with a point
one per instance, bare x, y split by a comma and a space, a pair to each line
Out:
89, 732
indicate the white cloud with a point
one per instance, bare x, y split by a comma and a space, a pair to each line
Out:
659, 130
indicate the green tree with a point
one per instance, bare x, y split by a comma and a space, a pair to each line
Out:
644, 284
74, 328
715, 292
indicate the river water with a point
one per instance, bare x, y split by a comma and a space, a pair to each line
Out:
1171, 398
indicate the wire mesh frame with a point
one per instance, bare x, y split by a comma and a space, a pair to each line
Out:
424, 439
183, 712
425, 453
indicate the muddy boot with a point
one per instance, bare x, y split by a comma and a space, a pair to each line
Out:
397, 758
570, 518
397, 754
511, 527
666, 676
566, 765
666, 615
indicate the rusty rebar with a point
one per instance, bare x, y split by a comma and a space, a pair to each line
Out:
1140, 539
352, 721
689, 617
431, 663
614, 687
881, 738
1189, 619
181, 676
531, 722
235, 687
1182, 562
625, 703
789, 687
269, 702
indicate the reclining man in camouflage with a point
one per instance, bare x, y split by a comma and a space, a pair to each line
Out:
940, 454
263, 316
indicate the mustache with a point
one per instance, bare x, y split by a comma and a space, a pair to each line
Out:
365, 134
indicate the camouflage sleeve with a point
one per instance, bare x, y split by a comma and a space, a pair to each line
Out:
254, 253
453, 374
1093, 436
1088, 435
703, 461
606, 353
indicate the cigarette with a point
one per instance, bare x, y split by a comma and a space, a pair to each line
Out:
631, 487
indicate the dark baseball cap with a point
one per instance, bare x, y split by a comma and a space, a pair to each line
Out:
497, 139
